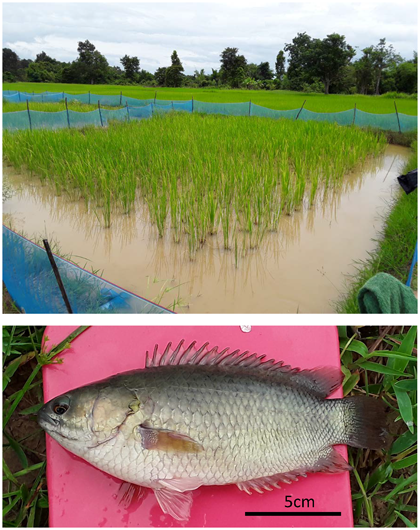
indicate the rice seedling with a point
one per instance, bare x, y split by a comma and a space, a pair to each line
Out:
197, 174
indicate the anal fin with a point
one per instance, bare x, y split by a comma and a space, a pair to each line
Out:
330, 462
175, 503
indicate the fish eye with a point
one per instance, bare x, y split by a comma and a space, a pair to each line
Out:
61, 409
61, 406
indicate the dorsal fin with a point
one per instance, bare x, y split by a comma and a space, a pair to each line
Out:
321, 381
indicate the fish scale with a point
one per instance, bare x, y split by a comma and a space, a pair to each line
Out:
209, 418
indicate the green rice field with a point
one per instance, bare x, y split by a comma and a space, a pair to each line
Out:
198, 175
51, 107
276, 99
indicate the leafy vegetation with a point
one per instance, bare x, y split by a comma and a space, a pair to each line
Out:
382, 362
25, 500
377, 361
196, 173
395, 245
314, 65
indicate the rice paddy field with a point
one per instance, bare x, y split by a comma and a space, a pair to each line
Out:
276, 99
206, 213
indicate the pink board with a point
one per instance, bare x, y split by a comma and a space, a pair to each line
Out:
83, 496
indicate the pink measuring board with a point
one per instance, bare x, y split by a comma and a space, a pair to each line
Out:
83, 496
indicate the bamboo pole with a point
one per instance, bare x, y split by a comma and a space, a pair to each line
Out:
300, 109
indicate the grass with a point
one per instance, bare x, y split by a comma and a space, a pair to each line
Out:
52, 107
197, 174
276, 99
380, 361
395, 246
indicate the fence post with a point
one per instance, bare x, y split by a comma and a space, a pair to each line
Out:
249, 112
300, 109
354, 114
29, 115
128, 112
68, 116
89, 97
57, 275
19, 94
192, 103
63, 95
398, 118
121, 98
155, 98
100, 113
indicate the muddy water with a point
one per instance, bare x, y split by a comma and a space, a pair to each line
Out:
302, 268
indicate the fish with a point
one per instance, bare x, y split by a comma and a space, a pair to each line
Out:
196, 417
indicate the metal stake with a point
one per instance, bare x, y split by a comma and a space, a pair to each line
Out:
57, 275
301, 109
67, 110
100, 113
398, 118
29, 115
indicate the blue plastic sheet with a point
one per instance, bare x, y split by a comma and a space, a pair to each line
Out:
30, 281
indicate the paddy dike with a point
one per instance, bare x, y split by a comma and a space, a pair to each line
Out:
301, 268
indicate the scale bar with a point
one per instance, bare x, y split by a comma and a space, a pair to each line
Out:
293, 513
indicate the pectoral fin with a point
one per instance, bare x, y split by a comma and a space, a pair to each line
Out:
165, 440
175, 503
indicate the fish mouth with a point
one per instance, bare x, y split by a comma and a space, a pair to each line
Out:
45, 421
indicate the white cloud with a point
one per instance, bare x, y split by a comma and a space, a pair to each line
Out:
199, 31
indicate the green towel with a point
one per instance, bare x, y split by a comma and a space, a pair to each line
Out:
385, 294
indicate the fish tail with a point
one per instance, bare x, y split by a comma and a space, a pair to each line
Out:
364, 422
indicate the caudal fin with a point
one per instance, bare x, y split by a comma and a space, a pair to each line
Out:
365, 422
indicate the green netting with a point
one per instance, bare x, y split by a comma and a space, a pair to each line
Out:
81, 98
108, 115
228, 109
263, 112
84, 119
144, 108
133, 102
14, 121
48, 120
342, 118
408, 123
140, 112
387, 122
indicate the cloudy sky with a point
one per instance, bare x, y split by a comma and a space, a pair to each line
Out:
200, 31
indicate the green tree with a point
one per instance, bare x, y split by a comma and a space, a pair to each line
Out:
41, 72
383, 56
280, 65
174, 73
44, 58
252, 71
233, 69
300, 56
328, 57
131, 66
160, 76
11, 62
364, 72
406, 77
265, 72
91, 66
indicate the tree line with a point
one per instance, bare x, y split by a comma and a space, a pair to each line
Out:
312, 65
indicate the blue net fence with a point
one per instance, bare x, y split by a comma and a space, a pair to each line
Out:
30, 280
145, 108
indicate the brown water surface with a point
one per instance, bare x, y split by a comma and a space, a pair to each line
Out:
302, 268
